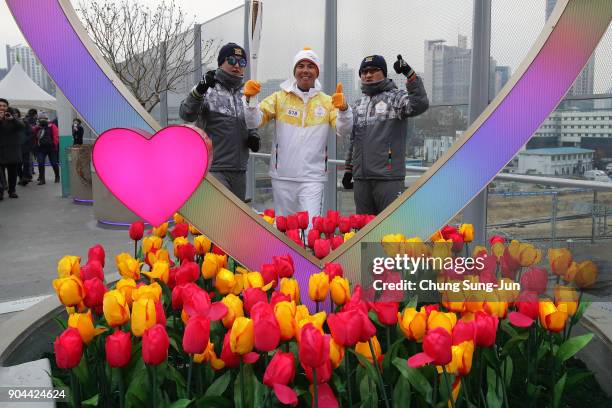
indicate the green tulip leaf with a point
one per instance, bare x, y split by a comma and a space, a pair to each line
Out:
558, 391
181, 403
177, 378
508, 369
213, 402
369, 368
584, 305
219, 386
494, 389
572, 346
512, 343
415, 377
401, 392
91, 402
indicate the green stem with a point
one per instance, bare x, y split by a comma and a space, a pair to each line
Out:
380, 379
189, 373
435, 390
315, 387
154, 388
135, 249
121, 388
347, 370
74, 387
242, 397
388, 338
448, 387
480, 372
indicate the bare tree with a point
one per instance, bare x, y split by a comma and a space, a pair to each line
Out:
149, 49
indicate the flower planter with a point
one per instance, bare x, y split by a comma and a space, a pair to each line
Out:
79, 157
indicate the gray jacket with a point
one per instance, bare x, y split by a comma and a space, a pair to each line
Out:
220, 114
377, 147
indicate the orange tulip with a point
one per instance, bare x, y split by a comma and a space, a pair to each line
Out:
83, 322
143, 316
242, 338
69, 290
586, 274
285, 316
291, 288
127, 266
340, 292
69, 265
234, 309
202, 244
149, 242
439, 319
318, 286
467, 230
566, 295
461, 364
413, 324
559, 259
161, 230
552, 318
363, 348
126, 286
115, 308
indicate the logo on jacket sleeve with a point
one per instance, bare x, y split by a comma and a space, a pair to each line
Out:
380, 107
319, 111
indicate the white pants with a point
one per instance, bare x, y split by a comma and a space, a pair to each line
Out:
293, 196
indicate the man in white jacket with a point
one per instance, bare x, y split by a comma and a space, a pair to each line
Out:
304, 117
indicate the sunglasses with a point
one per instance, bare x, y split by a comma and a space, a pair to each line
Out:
233, 61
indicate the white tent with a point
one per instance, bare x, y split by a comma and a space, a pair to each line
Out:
21, 92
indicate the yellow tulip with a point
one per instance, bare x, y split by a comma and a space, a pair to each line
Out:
348, 235
69, 265
83, 322
202, 244
528, 255
178, 218
242, 337
514, 249
495, 305
160, 271
413, 324
552, 318
498, 249
209, 355
478, 249
126, 286
571, 272
284, 312
234, 309
340, 291
70, 291
559, 259
115, 308
318, 286
178, 241
225, 281
152, 291
461, 364
467, 230
161, 230
252, 280
194, 231
566, 295
210, 266
127, 266
392, 244
453, 301
363, 348
336, 353
440, 319
586, 274
240, 279
291, 288
415, 247
441, 249
317, 320
143, 315
268, 219
161, 255
149, 242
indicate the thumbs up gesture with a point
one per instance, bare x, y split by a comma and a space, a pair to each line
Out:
338, 99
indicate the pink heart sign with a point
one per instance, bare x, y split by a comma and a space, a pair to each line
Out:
152, 175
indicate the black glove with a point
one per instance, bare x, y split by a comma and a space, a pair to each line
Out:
208, 81
253, 143
401, 67
347, 180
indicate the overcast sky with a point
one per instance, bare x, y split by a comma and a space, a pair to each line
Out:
387, 27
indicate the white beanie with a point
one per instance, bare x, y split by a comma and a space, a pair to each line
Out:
307, 54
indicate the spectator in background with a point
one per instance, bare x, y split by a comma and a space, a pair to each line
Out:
77, 132
24, 170
47, 145
31, 119
11, 139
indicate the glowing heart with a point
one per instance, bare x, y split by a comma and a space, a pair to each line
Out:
152, 176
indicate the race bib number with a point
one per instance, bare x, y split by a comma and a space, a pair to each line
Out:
294, 113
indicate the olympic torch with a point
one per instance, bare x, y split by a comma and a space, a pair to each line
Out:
254, 40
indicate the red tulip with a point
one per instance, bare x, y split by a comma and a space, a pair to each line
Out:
216, 250
326, 398
96, 253
334, 216
281, 223
230, 358
269, 274
317, 223
180, 230
314, 347
313, 235
333, 269
265, 326
284, 266
68, 348
279, 373
322, 248
160, 315
447, 231
155, 343
278, 297
94, 292
350, 327
196, 302
292, 222
197, 335
252, 296
463, 331
534, 280
92, 269
509, 265
356, 302
344, 224
386, 312
457, 239
303, 220
294, 235
486, 329
118, 348
528, 306
356, 221
368, 218
177, 294
324, 373
329, 226
336, 241
186, 252
136, 230
269, 212
497, 238
437, 346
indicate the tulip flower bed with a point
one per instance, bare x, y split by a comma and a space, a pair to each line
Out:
189, 326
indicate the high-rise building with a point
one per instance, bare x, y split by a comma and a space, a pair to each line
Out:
3, 72
502, 75
447, 71
24, 55
583, 85
269, 87
346, 76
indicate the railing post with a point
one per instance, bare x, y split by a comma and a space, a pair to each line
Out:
553, 220
329, 86
593, 216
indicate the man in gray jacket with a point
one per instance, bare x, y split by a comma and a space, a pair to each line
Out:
215, 105
377, 148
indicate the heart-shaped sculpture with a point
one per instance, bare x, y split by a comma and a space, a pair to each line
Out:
152, 175
567, 41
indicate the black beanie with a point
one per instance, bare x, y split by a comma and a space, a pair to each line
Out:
377, 61
230, 49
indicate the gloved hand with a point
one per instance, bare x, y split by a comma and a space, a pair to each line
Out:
347, 180
251, 88
208, 81
338, 99
253, 142
401, 67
